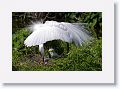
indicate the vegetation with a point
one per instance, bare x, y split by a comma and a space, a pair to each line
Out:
87, 57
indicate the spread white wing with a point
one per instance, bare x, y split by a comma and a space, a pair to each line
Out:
47, 33
52, 30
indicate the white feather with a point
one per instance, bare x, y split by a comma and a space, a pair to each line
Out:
46, 33
77, 32
52, 30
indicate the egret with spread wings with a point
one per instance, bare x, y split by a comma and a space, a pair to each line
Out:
53, 30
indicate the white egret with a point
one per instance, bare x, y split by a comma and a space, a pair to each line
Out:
53, 30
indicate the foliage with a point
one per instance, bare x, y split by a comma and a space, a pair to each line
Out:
87, 57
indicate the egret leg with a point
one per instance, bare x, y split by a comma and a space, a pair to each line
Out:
43, 59
67, 47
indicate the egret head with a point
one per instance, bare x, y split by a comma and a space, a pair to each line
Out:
51, 50
52, 53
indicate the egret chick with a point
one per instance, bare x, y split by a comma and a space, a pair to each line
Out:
52, 53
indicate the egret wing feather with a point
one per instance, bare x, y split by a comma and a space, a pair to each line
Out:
52, 30
45, 34
79, 34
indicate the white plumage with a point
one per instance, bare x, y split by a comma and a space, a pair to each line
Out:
53, 30
47, 32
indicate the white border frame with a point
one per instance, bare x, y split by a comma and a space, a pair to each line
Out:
104, 76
